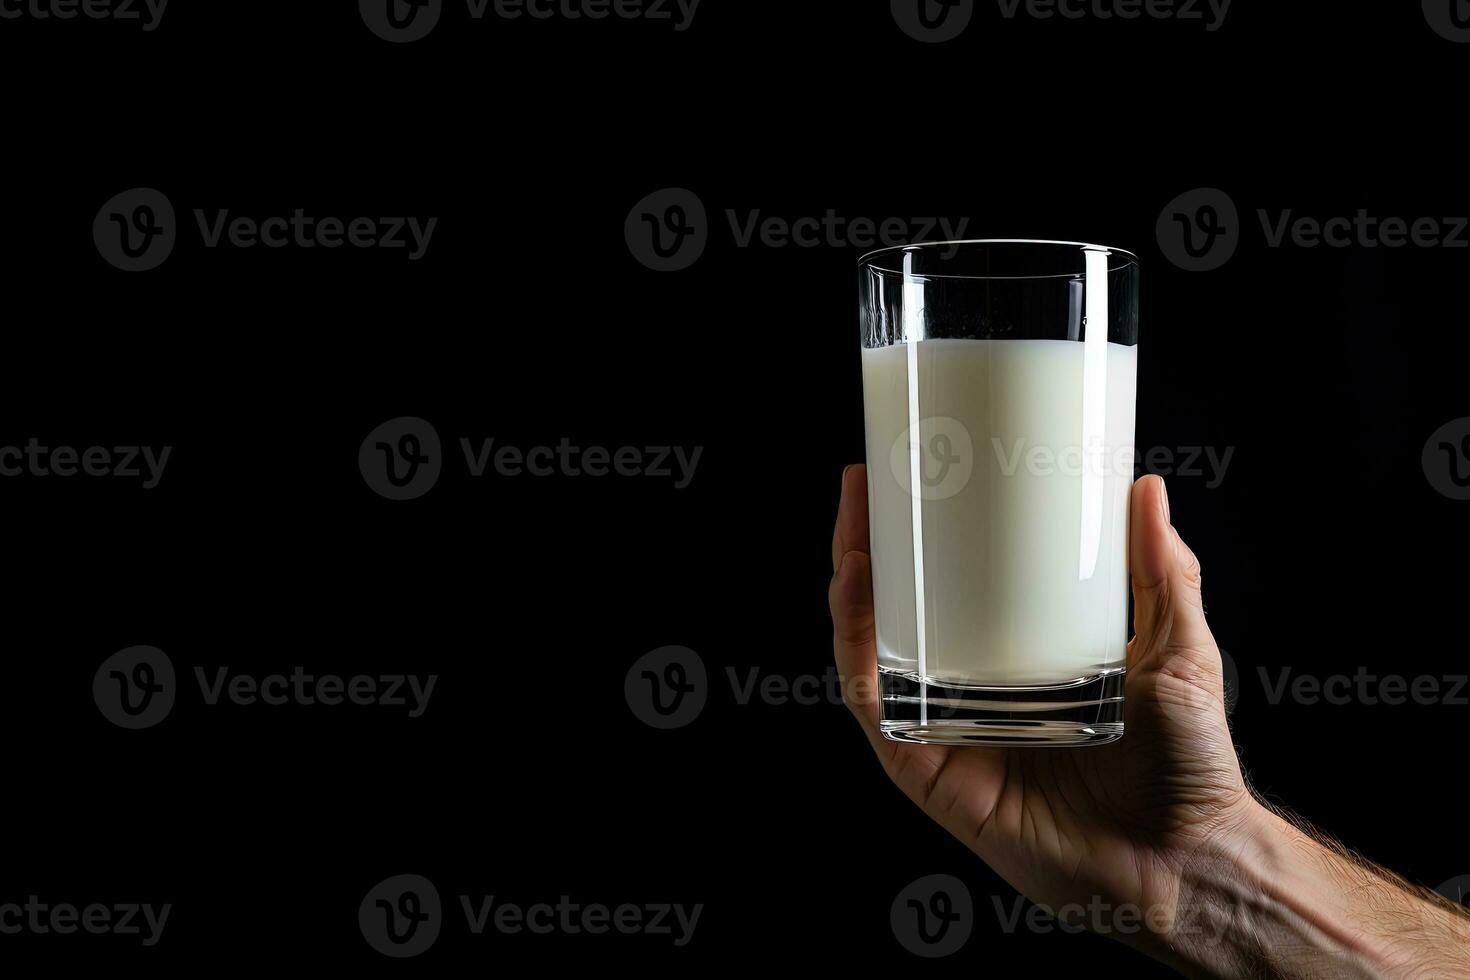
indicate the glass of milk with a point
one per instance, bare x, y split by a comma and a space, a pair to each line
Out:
998, 396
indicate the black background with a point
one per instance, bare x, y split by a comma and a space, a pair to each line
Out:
1325, 547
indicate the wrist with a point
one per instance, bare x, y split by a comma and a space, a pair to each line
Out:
1264, 897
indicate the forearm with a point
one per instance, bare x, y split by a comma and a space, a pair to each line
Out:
1269, 900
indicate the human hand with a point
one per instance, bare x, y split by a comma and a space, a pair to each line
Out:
1115, 824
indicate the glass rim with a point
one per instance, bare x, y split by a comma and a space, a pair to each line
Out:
865, 260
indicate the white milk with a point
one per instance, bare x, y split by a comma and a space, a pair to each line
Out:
1024, 462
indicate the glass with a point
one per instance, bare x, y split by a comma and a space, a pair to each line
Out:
998, 396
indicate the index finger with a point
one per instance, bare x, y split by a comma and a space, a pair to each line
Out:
851, 532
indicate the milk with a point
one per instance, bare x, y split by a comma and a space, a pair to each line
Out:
1007, 564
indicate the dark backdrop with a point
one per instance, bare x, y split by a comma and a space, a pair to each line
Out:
1326, 545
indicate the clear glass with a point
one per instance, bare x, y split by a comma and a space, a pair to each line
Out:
998, 394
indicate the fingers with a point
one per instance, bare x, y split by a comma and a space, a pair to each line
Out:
1168, 607
854, 643
960, 795
851, 533
854, 640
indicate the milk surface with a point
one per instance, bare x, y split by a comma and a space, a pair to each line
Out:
1007, 564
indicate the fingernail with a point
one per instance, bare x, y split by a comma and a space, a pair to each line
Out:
1164, 495
844, 472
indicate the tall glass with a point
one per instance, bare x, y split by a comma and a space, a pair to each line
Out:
998, 393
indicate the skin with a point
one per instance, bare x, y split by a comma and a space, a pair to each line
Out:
1161, 821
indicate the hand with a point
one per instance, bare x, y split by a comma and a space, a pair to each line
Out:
1157, 830
1108, 826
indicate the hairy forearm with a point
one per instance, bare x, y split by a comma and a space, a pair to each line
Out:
1270, 899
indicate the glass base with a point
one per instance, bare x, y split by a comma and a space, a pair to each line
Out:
1086, 711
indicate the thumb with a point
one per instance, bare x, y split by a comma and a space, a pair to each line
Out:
1168, 607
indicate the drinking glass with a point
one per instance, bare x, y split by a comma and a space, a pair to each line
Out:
998, 396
